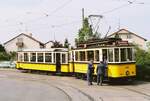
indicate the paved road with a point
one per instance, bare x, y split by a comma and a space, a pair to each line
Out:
16, 86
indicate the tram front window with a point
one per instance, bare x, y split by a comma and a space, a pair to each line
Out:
116, 55
123, 54
90, 55
129, 54
48, 57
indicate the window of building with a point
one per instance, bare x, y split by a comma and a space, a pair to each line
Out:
110, 55
48, 57
40, 57
26, 57
129, 36
90, 55
123, 54
82, 55
33, 57
63, 58
116, 55
97, 55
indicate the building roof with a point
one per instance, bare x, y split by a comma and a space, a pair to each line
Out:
26, 36
127, 32
49, 42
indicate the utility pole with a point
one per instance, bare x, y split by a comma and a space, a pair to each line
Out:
119, 24
82, 16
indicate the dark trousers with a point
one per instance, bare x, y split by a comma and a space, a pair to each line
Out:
99, 79
89, 78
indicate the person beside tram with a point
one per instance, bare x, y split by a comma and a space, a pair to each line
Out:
100, 72
90, 71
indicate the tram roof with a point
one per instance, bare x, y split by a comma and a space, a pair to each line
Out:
45, 50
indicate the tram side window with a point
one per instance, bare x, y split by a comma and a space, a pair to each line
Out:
104, 52
116, 55
123, 54
26, 58
129, 54
82, 55
110, 55
33, 57
76, 55
48, 57
97, 55
63, 58
90, 55
40, 57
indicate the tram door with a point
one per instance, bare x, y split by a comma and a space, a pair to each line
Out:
105, 59
58, 63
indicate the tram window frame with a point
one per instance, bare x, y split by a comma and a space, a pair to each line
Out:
40, 57
63, 58
105, 54
90, 55
33, 57
76, 56
129, 54
111, 55
48, 57
82, 55
123, 54
20, 57
26, 57
116, 54
96, 57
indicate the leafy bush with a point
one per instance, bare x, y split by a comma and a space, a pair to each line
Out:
143, 63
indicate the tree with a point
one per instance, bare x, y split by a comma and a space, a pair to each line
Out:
85, 32
2, 49
66, 43
57, 44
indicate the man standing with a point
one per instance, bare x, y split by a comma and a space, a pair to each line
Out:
90, 72
100, 73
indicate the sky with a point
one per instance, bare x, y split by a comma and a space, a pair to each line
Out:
60, 19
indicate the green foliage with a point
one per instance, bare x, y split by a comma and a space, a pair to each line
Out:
12, 55
4, 56
2, 49
143, 63
85, 32
66, 43
57, 44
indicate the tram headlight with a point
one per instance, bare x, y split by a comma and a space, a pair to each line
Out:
127, 73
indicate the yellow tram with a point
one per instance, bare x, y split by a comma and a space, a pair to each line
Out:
119, 55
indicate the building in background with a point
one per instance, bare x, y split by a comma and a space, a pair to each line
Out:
22, 41
48, 44
131, 37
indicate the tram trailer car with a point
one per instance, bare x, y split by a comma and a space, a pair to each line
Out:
120, 59
50, 60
